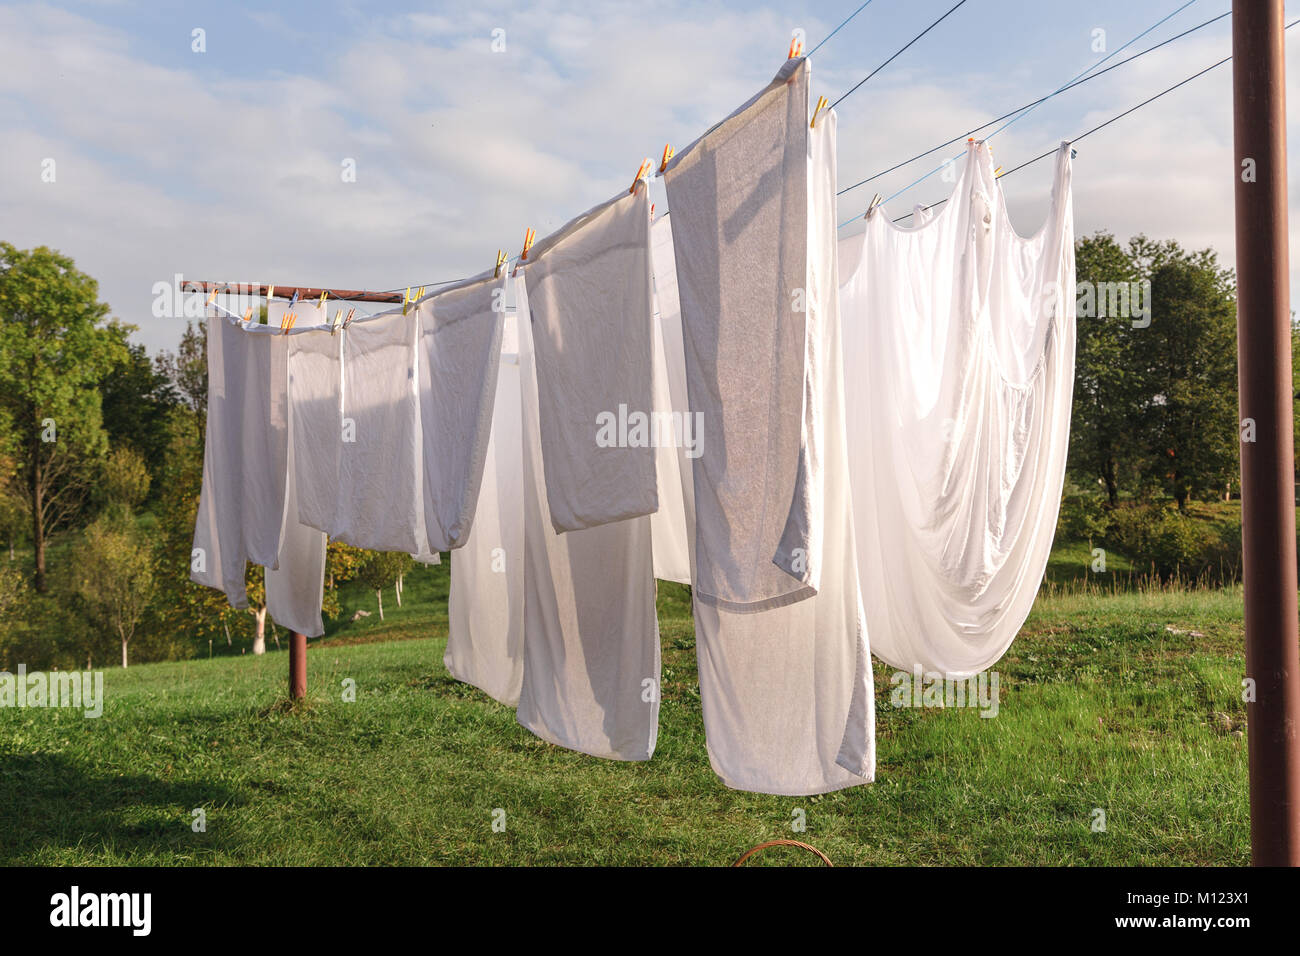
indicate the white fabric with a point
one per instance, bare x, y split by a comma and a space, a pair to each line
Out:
381, 501
241, 500
591, 637
739, 213
485, 643
787, 693
589, 289
460, 348
316, 407
668, 525
961, 337
294, 590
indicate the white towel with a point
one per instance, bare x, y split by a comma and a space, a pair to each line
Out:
381, 499
460, 349
485, 643
669, 526
960, 335
739, 214
295, 590
241, 502
591, 637
787, 693
590, 292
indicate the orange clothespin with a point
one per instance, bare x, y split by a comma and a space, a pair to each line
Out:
501, 260
248, 315
822, 103
348, 321
286, 322
529, 235
796, 47
668, 154
640, 173
212, 295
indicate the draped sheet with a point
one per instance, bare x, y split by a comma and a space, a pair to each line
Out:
960, 335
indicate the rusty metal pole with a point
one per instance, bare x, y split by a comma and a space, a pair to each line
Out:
1267, 462
297, 665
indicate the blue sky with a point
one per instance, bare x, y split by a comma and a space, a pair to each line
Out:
226, 164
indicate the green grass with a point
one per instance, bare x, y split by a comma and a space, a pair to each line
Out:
1102, 706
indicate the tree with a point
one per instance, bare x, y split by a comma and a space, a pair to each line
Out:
186, 370
137, 398
380, 569
114, 577
1188, 361
54, 352
126, 479
1105, 384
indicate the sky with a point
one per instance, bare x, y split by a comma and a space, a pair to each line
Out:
383, 145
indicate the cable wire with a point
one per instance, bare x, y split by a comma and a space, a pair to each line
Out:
840, 27
855, 86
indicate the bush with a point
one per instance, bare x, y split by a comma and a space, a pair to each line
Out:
1158, 537
1082, 517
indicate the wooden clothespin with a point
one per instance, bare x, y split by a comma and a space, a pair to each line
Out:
822, 103
875, 201
501, 260
640, 174
796, 47
668, 154
348, 321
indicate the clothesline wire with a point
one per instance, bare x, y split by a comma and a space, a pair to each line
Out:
1084, 73
1101, 126
840, 27
1078, 82
855, 86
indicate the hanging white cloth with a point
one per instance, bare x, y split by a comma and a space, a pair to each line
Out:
485, 643
961, 335
459, 354
739, 214
294, 590
241, 501
787, 693
381, 500
675, 426
591, 636
590, 293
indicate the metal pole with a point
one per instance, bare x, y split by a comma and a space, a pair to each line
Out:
297, 665
1267, 462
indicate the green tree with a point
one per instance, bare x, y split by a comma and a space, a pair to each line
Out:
186, 370
380, 569
1188, 362
126, 479
55, 349
137, 398
114, 577
1106, 387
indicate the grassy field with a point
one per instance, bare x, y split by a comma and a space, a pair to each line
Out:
1128, 703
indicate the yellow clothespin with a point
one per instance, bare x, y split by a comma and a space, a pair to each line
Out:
875, 201
997, 173
640, 173
668, 154
501, 260
324, 293
337, 323
406, 300
796, 48
822, 103
270, 293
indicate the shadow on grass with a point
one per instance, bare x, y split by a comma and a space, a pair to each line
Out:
49, 801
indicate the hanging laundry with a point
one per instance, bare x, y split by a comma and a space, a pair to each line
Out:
591, 644
316, 408
242, 497
485, 643
589, 288
739, 212
669, 525
787, 693
381, 498
459, 354
295, 588
961, 334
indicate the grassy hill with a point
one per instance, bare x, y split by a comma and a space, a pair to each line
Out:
1127, 703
